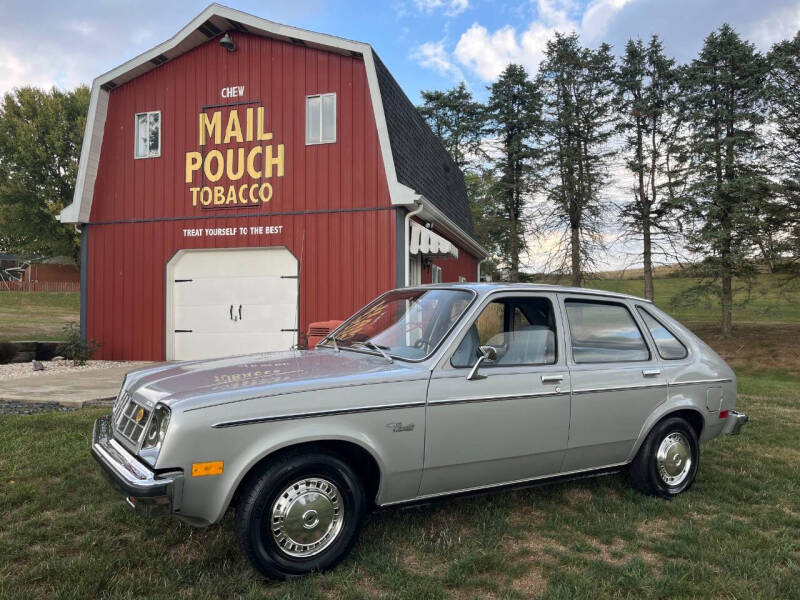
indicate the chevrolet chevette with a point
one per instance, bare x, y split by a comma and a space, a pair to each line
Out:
425, 392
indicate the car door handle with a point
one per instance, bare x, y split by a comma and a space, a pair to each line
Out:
552, 378
651, 372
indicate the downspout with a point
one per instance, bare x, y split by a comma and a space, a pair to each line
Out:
483, 260
407, 234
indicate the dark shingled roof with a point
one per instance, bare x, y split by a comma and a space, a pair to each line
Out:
420, 159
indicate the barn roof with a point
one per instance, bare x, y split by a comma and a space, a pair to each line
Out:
418, 168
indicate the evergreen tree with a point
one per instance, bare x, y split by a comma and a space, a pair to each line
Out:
727, 187
647, 88
488, 216
579, 119
514, 110
40, 143
458, 121
781, 229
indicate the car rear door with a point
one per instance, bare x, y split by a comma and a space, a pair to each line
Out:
511, 424
617, 380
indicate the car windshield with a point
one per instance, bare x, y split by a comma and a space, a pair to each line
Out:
407, 324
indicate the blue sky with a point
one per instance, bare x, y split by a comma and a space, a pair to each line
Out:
427, 44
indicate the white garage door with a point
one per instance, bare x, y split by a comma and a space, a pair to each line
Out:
223, 302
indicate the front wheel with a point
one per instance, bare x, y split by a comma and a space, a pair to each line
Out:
301, 513
667, 462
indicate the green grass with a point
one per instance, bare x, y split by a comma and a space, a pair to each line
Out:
66, 534
37, 315
770, 298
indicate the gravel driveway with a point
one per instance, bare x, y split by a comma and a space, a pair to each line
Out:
17, 370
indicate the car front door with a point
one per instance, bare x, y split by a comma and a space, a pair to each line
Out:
617, 381
511, 422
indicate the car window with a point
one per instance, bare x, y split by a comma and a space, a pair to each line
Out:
669, 347
521, 329
604, 332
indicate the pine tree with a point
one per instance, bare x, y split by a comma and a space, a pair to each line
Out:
727, 187
458, 120
579, 120
647, 88
514, 111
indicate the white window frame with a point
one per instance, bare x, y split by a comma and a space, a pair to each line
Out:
136, 134
310, 142
462, 279
436, 274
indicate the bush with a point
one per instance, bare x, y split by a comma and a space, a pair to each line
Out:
7, 352
75, 349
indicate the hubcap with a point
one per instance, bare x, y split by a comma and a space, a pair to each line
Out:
674, 459
307, 517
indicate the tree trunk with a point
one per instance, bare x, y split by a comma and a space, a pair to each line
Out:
514, 271
647, 258
577, 276
727, 304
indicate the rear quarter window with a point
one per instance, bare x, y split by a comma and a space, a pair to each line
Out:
669, 347
604, 332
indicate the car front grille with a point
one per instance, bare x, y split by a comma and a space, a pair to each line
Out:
130, 418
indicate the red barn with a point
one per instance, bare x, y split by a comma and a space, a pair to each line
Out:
244, 179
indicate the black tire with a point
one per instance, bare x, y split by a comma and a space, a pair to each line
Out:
649, 476
259, 496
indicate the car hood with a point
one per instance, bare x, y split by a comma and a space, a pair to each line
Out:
215, 381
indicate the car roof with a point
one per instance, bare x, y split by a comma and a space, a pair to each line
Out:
487, 288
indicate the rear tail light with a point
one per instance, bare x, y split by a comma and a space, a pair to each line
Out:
723, 414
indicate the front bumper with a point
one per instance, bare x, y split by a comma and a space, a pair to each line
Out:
734, 422
150, 493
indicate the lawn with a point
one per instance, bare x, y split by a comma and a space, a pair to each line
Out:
65, 533
37, 315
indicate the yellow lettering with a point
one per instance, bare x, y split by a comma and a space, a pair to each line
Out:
219, 195
194, 195
249, 124
231, 195
263, 136
242, 195
193, 162
253, 188
270, 161
213, 175
205, 196
210, 127
251, 160
234, 128
234, 175
261, 195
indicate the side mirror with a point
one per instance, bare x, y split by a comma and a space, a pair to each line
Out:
487, 354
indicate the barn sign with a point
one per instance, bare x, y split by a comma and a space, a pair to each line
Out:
246, 169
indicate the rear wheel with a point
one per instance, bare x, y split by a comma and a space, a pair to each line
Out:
667, 462
302, 513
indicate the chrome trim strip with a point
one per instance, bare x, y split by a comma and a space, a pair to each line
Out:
505, 484
320, 413
473, 399
620, 389
697, 381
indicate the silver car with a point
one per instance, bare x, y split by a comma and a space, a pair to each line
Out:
425, 392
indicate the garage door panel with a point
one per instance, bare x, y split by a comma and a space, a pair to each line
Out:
262, 281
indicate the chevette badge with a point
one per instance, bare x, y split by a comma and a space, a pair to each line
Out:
396, 427
139, 414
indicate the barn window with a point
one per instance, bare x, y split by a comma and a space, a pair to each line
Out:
321, 119
148, 134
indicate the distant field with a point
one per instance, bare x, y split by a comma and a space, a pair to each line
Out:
769, 299
37, 315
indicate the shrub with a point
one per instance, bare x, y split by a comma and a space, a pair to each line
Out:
75, 349
7, 352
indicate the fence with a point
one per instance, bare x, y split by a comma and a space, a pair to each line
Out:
40, 286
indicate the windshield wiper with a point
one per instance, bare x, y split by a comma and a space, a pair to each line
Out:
374, 346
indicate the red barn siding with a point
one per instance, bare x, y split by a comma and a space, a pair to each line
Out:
333, 200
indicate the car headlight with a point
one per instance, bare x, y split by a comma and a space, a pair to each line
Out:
155, 434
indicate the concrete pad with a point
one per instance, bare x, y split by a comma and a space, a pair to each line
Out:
90, 386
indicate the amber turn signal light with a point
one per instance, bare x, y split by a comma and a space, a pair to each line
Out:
207, 468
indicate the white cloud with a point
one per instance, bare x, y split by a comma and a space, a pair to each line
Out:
433, 55
779, 25
598, 16
451, 7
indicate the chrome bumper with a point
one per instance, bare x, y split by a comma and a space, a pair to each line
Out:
150, 493
734, 422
